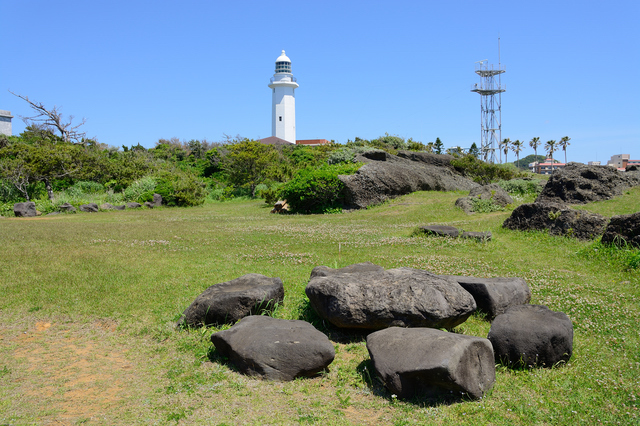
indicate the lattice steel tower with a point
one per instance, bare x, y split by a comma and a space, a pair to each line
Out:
490, 90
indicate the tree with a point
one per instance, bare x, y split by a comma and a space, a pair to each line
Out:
438, 146
535, 143
516, 147
53, 118
248, 163
474, 150
505, 147
564, 143
550, 147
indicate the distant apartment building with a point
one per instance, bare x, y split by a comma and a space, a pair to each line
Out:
545, 168
5, 122
593, 163
621, 161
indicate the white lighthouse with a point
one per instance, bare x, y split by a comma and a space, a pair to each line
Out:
283, 104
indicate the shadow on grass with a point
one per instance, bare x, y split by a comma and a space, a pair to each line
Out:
335, 334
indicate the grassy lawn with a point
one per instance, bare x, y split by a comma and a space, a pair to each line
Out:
88, 303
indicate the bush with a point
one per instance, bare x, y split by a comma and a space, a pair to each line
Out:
180, 189
481, 172
317, 190
347, 154
138, 188
521, 187
485, 206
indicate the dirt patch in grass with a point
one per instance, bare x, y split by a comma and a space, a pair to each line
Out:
68, 372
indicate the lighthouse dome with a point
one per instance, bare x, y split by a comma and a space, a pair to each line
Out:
283, 64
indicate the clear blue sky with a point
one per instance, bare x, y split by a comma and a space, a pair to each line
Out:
143, 70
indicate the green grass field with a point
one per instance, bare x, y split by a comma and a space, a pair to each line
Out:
88, 303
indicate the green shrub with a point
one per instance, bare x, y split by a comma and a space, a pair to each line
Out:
181, 189
521, 186
140, 187
348, 154
481, 172
485, 206
88, 187
317, 190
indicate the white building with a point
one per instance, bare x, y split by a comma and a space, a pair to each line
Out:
283, 105
5, 122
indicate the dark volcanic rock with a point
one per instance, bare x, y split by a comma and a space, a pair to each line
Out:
107, 206
89, 208
122, 207
134, 205
66, 207
441, 230
558, 219
465, 204
157, 200
404, 297
26, 209
623, 229
232, 300
432, 363
149, 204
494, 295
580, 184
378, 181
275, 349
532, 335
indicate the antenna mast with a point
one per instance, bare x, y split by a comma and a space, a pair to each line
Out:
490, 104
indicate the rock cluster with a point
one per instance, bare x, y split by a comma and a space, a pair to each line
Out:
453, 232
580, 184
416, 361
28, 209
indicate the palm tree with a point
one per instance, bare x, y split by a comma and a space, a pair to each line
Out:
505, 147
564, 143
535, 143
550, 147
516, 147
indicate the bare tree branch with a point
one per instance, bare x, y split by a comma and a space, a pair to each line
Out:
53, 118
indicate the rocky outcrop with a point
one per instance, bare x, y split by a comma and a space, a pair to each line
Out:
388, 176
492, 192
26, 209
580, 184
439, 160
377, 299
494, 295
227, 302
432, 363
557, 219
157, 200
275, 349
532, 335
134, 205
623, 230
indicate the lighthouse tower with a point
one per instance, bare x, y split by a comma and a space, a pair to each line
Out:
283, 104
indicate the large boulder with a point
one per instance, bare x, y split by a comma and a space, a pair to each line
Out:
107, 206
531, 335
89, 208
26, 209
134, 205
440, 230
377, 299
227, 302
580, 184
439, 160
557, 219
622, 230
432, 363
494, 295
275, 349
493, 192
390, 176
